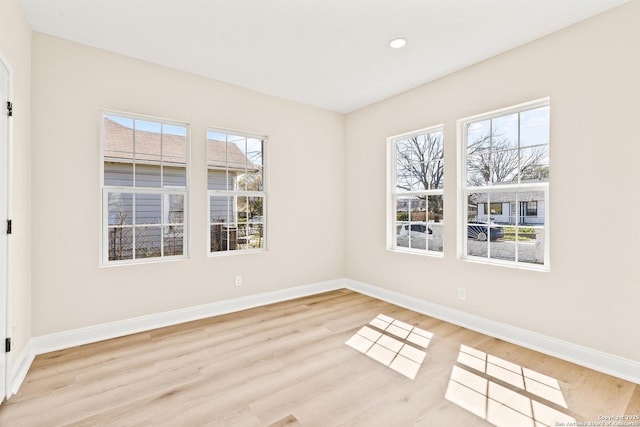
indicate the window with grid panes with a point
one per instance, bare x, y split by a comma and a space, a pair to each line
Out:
505, 163
416, 194
236, 191
145, 188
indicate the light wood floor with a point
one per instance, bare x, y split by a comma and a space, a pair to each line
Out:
287, 364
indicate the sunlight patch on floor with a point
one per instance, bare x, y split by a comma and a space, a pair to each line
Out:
475, 385
393, 343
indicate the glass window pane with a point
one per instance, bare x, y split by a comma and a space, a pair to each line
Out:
504, 132
120, 243
255, 209
479, 168
242, 209
174, 209
504, 166
120, 208
148, 208
252, 180
173, 240
254, 151
174, 147
217, 179
147, 175
478, 136
118, 174
534, 164
148, 141
534, 127
236, 157
174, 177
220, 209
148, 242
435, 223
242, 237
477, 232
216, 151
256, 233
117, 139
531, 244
219, 237
435, 174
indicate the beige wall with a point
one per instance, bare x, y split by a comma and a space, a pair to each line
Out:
71, 84
591, 71
15, 45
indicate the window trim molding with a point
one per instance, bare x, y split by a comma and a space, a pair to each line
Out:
461, 189
103, 253
392, 194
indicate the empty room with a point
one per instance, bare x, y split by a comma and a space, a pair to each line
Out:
305, 213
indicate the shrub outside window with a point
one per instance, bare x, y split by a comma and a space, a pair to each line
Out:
416, 177
144, 189
236, 191
505, 192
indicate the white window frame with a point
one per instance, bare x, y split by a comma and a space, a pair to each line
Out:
464, 190
239, 193
393, 194
164, 192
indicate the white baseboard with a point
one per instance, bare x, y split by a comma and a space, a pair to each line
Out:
594, 359
20, 367
76, 337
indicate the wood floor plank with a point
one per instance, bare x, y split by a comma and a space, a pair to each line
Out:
287, 364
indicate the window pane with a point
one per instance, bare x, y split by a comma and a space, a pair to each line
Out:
120, 243
479, 168
174, 209
216, 152
148, 242
236, 158
504, 166
252, 180
478, 136
174, 177
120, 208
174, 147
220, 209
117, 139
148, 208
148, 141
504, 132
435, 174
477, 231
534, 164
534, 127
217, 180
254, 151
434, 218
531, 244
148, 175
118, 174
255, 208
242, 208
173, 240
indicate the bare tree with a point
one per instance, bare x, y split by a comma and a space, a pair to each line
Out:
492, 159
420, 162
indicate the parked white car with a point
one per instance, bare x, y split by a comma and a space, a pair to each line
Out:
417, 230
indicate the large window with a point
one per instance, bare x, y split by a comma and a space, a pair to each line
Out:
144, 188
236, 191
416, 189
505, 166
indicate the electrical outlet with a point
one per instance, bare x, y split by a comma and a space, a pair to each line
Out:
238, 281
462, 293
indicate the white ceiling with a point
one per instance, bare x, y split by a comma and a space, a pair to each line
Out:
332, 54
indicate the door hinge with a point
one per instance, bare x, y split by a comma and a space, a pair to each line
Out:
7, 345
9, 109
9, 226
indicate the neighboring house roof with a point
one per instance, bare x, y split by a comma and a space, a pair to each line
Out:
151, 148
523, 196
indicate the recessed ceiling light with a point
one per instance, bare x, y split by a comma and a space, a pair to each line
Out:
398, 42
